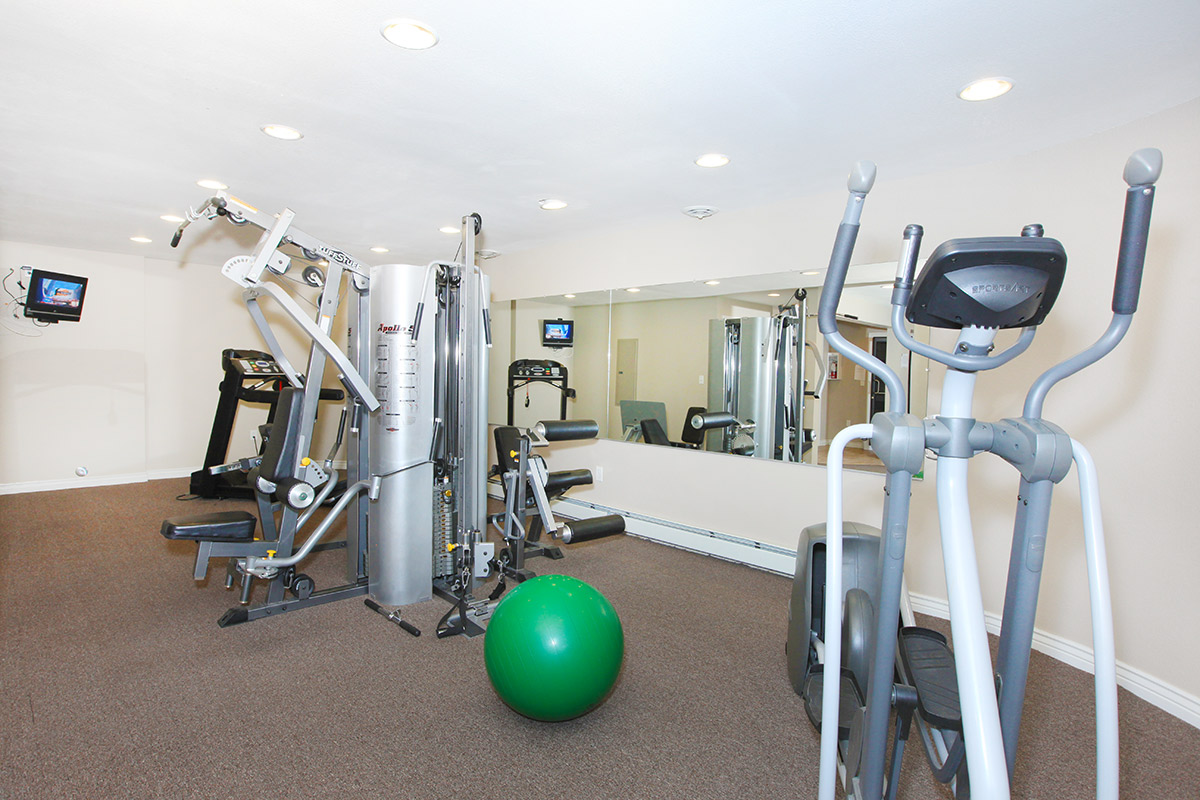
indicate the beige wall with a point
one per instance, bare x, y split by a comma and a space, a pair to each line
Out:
75, 394
672, 337
129, 391
517, 334
589, 373
1076, 191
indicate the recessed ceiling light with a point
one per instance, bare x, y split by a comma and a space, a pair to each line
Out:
569, 296
772, 294
379, 249
410, 34
985, 89
448, 229
711, 160
552, 205
633, 289
485, 254
139, 239
171, 218
699, 212
209, 183
712, 283
811, 272
284, 132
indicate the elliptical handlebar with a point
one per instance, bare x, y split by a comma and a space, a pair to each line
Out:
859, 184
1142, 170
862, 178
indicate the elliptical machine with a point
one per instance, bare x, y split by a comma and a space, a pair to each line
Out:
967, 710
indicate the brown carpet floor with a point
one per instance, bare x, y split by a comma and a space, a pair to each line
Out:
115, 682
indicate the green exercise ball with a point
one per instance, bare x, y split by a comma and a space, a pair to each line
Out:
554, 648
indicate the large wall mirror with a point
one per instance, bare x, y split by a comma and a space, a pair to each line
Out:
740, 357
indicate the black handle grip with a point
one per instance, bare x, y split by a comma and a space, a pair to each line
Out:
583, 530
567, 429
1141, 172
175, 239
1131, 257
416, 328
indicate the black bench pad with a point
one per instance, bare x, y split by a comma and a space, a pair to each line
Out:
565, 479
219, 526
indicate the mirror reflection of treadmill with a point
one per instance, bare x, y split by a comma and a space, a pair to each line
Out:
525, 372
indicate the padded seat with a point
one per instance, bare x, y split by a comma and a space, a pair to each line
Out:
219, 526
565, 479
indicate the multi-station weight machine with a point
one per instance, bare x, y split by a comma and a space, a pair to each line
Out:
757, 384
415, 429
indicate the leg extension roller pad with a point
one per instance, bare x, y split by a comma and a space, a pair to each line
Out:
567, 429
582, 530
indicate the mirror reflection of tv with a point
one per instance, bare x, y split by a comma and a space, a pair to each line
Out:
558, 332
55, 296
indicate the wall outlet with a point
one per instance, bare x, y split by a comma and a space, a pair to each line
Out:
598, 474
701, 380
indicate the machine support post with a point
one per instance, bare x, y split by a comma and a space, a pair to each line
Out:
898, 488
1020, 607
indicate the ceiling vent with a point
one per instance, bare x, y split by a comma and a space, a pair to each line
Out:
699, 212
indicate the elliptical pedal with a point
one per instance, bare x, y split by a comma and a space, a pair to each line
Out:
929, 663
850, 705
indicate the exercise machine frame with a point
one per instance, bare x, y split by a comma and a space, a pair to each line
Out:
981, 752
423, 444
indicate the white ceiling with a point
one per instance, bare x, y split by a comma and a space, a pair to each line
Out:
109, 112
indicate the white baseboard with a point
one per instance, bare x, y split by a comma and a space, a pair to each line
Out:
710, 543
93, 480
108, 480
731, 548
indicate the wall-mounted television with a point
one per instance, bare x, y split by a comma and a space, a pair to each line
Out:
558, 332
55, 296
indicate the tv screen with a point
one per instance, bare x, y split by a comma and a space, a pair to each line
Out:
558, 332
54, 296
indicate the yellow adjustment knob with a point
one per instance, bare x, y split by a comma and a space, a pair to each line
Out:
448, 494
513, 454
270, 554
304, 462
450, 547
